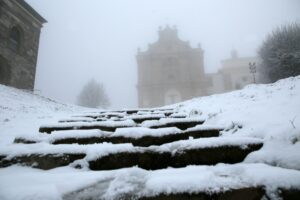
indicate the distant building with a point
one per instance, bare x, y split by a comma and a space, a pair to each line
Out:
233, 75
170, 71
235, 71
20, 27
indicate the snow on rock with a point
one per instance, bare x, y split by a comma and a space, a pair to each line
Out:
175, 120
270, 112
59, 135
150, 123
108, 123
205, 127
262, 110
165, 121
145, 116
53, 184
64, 134
92, 151
219, 178
208, 143
278, 153
138, 132
77, 119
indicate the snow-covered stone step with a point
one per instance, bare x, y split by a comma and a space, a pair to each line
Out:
253, 193
112, 125
141, 118
181, 123
121, 113
223, 181
47, 156
138, 136
152, 159
42, 161
102, 125
204, 151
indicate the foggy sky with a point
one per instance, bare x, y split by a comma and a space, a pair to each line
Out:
98, 39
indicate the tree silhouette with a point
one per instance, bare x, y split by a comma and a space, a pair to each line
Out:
93, 95
280, 53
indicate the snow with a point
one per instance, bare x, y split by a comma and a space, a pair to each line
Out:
108, 123
267, 114
270, 112
219, 178
205, 128
138, 132
178, 120
278, 153
145, 116
202, 143
262, 110
94, 151
165, 121
53, 184
22, 113
59, 135
76, 119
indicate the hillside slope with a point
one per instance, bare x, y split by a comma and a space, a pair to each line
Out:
253, 135
22, 112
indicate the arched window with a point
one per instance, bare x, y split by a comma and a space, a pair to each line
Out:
15, 38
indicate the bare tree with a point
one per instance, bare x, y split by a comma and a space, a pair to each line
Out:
280, 53
93, 95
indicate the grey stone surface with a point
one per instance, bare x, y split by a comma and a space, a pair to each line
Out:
20, 28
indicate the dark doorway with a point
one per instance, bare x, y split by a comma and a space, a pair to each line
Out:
5, 73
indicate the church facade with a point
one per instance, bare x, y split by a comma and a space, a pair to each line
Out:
20, 27
170, 71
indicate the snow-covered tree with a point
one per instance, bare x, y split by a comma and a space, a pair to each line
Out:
93, 95
280, 53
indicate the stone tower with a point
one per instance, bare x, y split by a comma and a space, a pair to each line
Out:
170, 71
20, 27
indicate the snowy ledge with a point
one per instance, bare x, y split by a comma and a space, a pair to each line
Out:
56, 183
95, 151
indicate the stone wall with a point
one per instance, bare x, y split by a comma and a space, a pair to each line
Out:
19, 42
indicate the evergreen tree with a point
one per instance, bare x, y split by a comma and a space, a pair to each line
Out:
280, 53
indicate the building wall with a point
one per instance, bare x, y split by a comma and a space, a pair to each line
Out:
233, 75
18, 60
236, 72
170, 71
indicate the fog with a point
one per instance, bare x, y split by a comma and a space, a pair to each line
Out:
98, 39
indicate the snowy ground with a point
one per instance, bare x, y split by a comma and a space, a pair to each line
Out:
268, 113
22, 113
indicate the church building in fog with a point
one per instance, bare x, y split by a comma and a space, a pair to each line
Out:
170, 71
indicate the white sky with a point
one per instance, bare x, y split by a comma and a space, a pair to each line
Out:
98, 39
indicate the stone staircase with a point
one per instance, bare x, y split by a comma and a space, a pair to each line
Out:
150, 139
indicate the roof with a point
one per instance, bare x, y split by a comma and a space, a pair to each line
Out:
31, 11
